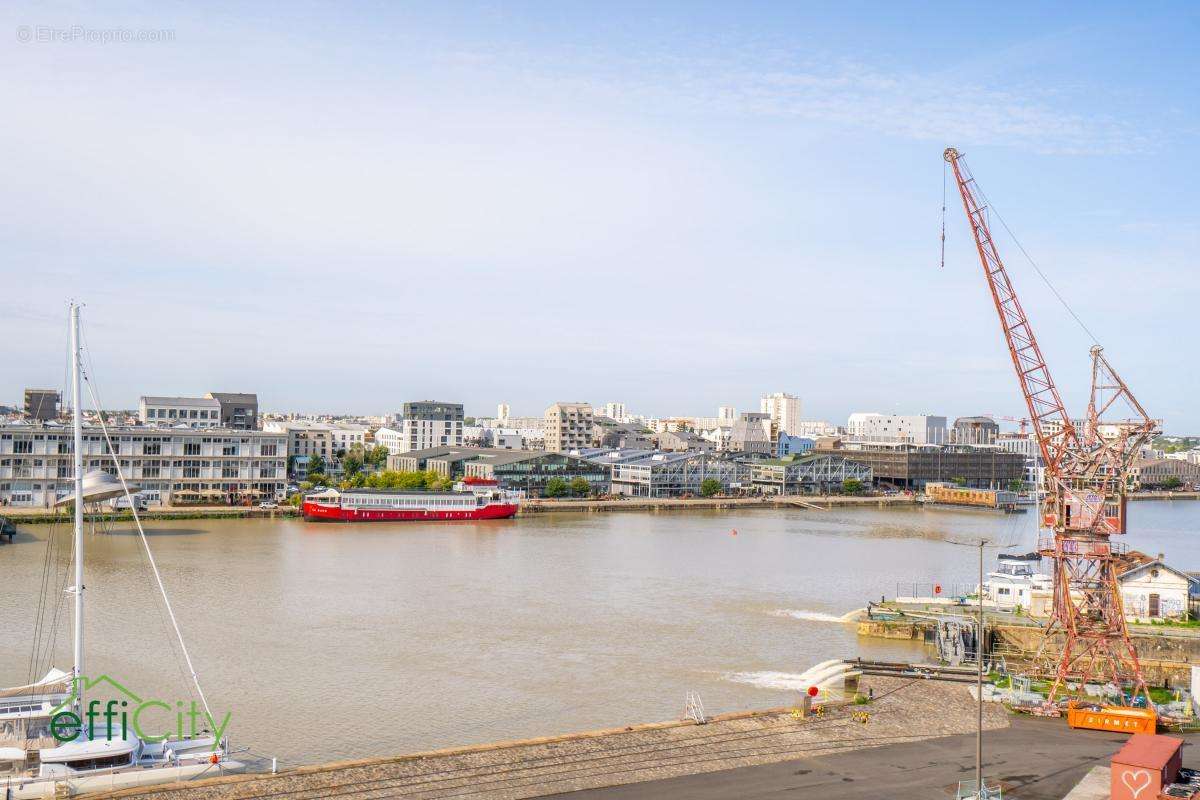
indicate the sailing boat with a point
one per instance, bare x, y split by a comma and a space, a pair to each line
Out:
36, 759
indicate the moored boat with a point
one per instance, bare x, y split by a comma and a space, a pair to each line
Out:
470, 502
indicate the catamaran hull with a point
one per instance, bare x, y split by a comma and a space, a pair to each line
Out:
46, 788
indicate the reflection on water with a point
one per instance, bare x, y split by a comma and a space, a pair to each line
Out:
339, 641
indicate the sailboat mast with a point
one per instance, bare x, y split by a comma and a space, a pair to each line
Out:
76, 394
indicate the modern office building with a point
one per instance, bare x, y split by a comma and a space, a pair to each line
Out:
568, 426
194, 412
171, 465
42, 404
430, 423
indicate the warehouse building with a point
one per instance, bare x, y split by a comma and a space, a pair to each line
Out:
912, 466
657, 474
529, 470
817, 473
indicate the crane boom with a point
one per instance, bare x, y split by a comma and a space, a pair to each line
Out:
1041, 394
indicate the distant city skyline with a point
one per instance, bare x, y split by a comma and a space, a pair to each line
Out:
343, 208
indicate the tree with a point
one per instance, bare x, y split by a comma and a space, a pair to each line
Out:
555, 487
316, 464
852, 486
580, 487
352, 464
710, 487
959, 481
376, 457
1017, 485
1171, 482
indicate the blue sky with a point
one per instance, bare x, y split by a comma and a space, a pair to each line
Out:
671, 205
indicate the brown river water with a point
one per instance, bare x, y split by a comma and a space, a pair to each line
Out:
334, 641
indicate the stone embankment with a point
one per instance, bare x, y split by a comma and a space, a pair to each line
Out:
1166, 653
903, 710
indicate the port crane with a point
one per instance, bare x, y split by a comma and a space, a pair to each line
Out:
1087, 470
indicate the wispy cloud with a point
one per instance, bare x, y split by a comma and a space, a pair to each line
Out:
935, 106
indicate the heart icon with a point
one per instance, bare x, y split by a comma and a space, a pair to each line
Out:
1136, 780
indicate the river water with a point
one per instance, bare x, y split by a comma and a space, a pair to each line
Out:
339, 641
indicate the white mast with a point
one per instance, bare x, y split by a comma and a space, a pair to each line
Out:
75, 399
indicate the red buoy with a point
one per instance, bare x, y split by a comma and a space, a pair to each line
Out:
812, 691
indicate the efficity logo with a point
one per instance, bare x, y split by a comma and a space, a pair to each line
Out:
114, 717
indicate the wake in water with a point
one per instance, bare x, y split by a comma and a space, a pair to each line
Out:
786, 681
811, 616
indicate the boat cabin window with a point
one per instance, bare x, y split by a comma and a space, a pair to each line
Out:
123, 760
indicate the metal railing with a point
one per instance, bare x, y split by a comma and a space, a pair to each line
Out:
1084, 548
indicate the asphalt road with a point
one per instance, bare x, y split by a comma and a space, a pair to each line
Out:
1034, 759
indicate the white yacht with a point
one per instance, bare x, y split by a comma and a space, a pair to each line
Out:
1015, 580
36, 763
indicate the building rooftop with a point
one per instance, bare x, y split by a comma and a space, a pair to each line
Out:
197, 402
237, 398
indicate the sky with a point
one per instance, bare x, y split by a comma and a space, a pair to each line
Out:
676, 206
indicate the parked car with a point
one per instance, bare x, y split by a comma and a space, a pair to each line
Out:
269, 504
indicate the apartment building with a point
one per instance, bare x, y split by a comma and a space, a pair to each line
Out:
568, 426
615, 411
170, 465
305, 440
430, 423
906, 428
194, 412
784, 410
239, 410
347, 435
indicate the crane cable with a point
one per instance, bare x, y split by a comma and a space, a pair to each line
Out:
945, 170
992, 208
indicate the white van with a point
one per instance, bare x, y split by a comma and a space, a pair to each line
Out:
121, 503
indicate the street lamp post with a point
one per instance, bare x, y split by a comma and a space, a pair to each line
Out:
979, 636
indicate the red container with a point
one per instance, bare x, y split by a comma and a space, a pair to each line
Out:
1145, 765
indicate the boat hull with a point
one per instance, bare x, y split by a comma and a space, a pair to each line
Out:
314, 512
42, 788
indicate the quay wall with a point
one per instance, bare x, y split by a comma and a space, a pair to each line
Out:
902, 711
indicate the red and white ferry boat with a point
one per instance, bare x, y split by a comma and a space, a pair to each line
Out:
478, 500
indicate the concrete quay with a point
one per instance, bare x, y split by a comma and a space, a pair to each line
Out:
904, 710
821, 502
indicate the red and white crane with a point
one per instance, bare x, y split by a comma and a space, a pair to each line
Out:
1086, 479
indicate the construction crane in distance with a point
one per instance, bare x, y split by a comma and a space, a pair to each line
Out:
1086, 479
